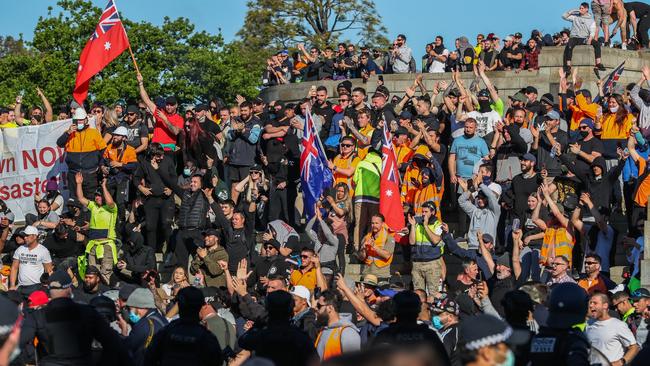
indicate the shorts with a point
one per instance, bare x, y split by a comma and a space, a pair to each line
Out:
601, 13
237, 173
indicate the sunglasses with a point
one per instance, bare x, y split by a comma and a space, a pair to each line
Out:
130, 114
319, 305
344, 100
346, 145
269, 247
305, 256
254, 172
557, 264
582, 128
591, 263
95, 111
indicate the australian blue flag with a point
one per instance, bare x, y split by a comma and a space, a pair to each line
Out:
315, 175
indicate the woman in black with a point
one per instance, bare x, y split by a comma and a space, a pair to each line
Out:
198, 144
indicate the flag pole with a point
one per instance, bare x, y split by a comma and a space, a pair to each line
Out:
135, 63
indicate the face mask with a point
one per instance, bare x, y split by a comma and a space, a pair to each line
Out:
613, 109
469, 136
484, 105
133, 317
187, 172
80, 126
510, 359
437, 323
584, 134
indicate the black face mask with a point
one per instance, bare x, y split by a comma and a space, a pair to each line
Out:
584, 134
468, 136
484, 106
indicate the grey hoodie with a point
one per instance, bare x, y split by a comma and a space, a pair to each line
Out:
583, 26
350, 339
484, 219
282, 231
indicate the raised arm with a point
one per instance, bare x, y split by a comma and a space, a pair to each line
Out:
517, 244
143, 93
49, 115
79, 180
108, 198
488, 84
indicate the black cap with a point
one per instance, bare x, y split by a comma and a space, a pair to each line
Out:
8, 315
201, 107
59, 280
406, 115
401, 131
126, 290
92, 270
530, 89
484, 93
640, 294
547, 98
132, 108
518, 35
209, 232
257, 168
171, 100
485, 330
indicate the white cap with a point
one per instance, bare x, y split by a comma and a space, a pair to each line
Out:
121, 131
618, 288
30, 230
496, 188
79, 113
302, 292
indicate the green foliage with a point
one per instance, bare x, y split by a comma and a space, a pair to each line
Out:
276, 24
173, 58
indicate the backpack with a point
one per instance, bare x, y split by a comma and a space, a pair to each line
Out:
413, 67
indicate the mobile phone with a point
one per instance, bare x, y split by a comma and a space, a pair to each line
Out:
515, 224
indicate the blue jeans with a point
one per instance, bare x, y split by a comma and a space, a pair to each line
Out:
530, 265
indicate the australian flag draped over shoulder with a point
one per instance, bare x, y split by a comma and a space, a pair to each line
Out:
612, 79
315, 175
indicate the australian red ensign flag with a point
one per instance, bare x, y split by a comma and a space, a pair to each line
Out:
390, 203
107, 42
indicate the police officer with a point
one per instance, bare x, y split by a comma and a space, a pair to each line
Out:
66, 330
561, 341
185, 341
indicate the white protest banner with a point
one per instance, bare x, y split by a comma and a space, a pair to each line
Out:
29, 158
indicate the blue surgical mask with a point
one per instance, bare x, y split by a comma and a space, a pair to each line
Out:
80, 126
437, 322
133, 317
510, 359
187, 172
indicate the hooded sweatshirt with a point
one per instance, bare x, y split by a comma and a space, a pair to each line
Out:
350, 339
283, 231
583, 26
483, 219
599, 188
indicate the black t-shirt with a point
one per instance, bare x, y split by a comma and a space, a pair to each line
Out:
135, 133
407, 334
62, 247
640, 9
210, 127
544, 158
588, 147
522, 188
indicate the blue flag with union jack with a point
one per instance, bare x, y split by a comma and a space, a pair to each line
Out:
612, 79
315, 175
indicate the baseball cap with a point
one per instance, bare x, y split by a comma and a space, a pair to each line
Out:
486, 330
37, 298
504, 260
30, 230
487, 238
641, 293
401, 131
519, 97
509, 37
406, 115
529, 157
209, 232
59, 280
121, 131
126, 290
92, 270
51, 185
201, 107
553, 115
446, 305
370, 280
518, 35
484, 93
132, 108
141, 298
171, 100
302, 292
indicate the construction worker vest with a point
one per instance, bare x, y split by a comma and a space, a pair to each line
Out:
371, 255
333, 345
560, 240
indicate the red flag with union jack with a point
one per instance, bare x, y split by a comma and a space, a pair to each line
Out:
107, 42
390, 203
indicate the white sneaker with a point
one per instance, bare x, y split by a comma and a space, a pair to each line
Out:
624, 46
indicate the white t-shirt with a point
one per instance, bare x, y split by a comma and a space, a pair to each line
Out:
485, 122
438, 66
31, 264
611, 337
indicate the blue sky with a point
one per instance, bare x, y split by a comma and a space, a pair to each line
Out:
420, 20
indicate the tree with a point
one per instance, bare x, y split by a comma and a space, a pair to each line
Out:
174, 60
277, 24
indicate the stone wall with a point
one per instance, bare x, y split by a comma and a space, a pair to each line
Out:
545, 79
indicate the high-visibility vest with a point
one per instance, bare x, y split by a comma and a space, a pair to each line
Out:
372, 256
560, 240
428, 193
333, 345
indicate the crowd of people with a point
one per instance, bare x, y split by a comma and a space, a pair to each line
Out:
184, 239
513, 52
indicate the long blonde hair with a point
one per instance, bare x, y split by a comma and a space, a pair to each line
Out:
110, 118
249, 188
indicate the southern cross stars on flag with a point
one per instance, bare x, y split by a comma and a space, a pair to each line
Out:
390, 202
315, 176
107, 42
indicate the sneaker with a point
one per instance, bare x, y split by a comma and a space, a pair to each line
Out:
600, 67
624, 46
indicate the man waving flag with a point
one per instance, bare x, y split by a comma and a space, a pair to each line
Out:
390, 203
107, 42
315, 176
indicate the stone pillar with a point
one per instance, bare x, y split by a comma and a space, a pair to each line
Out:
644, 265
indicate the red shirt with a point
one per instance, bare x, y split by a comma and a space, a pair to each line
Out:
162, 134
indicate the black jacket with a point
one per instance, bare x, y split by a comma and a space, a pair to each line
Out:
282, 343
600, 190
238, 242
65, 332
152, 177
138, 257
184, 342
194, 206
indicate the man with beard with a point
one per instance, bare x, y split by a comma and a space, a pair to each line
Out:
440, 54
323, 108
610, 336
483, 210
136, 128
550, 142
381, 110
427, 249
120, 161
207, 258
594, 281
338, 335
92, 286
63, 245
137, 258
244, 134
523, 185
168, 123
588, 148
304, 317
